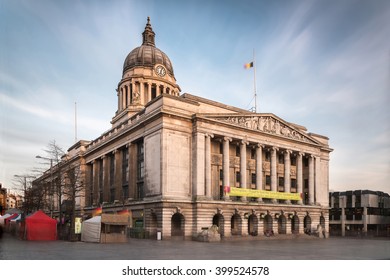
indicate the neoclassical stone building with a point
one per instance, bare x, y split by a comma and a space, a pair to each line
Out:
180, 163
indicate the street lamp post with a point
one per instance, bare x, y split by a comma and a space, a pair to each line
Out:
51, 183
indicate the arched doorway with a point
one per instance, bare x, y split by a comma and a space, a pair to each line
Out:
307, 224
268, 228
236, 224
253, 224
177, 225
219, 221
295, 224
282, 224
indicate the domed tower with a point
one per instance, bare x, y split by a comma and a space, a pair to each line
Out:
147, 73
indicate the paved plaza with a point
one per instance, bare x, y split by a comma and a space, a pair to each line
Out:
335, 248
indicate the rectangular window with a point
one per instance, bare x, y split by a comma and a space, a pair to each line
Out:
91, 185
140, 170
140, 161
125, 166
293, 183
253, 178
237, 151
306, 182
267, 156
268, 180
253, 154
349, 199
112, 170
112, 195
281, 158
238, 177
112, 177
125, 192
101, 181
293, 160
281, 181
358, 201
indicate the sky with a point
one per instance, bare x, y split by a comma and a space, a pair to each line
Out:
321, 64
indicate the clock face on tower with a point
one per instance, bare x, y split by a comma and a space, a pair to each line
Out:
160, 70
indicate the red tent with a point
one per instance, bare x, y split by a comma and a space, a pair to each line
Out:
39, 226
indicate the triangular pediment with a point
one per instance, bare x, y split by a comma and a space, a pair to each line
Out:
265, 123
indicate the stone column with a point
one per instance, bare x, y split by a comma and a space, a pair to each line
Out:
287, 168
300, 176
317, 179
243, 167
226, 166
106, 178
198, 175
208, 164
311, 180
132, 162
119, 95
149, 94
158, 90
94, 183
118, 175
130, 95
259, 169
141, 93
124, 96
274, 171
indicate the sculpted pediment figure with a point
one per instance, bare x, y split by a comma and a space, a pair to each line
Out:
266, 123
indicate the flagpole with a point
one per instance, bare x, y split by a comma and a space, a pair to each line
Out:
254, 79
75, 122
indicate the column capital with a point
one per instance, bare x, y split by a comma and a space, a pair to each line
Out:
259, 145
301, 153
287, 151
209, 135
273, 148
243, 142
227, 139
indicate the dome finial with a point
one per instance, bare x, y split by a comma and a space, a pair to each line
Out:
148, 34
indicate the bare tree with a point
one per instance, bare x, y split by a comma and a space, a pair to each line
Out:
66, 182
73, 189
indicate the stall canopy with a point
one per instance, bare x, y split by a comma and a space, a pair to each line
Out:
8, 219
39, 226
106, 228
91, 229
2, 218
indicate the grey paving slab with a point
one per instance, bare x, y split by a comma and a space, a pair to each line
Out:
339, 248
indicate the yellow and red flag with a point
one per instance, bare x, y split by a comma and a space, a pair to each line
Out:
97, 211
248, 65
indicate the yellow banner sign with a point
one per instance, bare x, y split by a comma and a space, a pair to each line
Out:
262, 194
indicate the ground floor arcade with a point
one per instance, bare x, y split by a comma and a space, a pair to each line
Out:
233, 219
